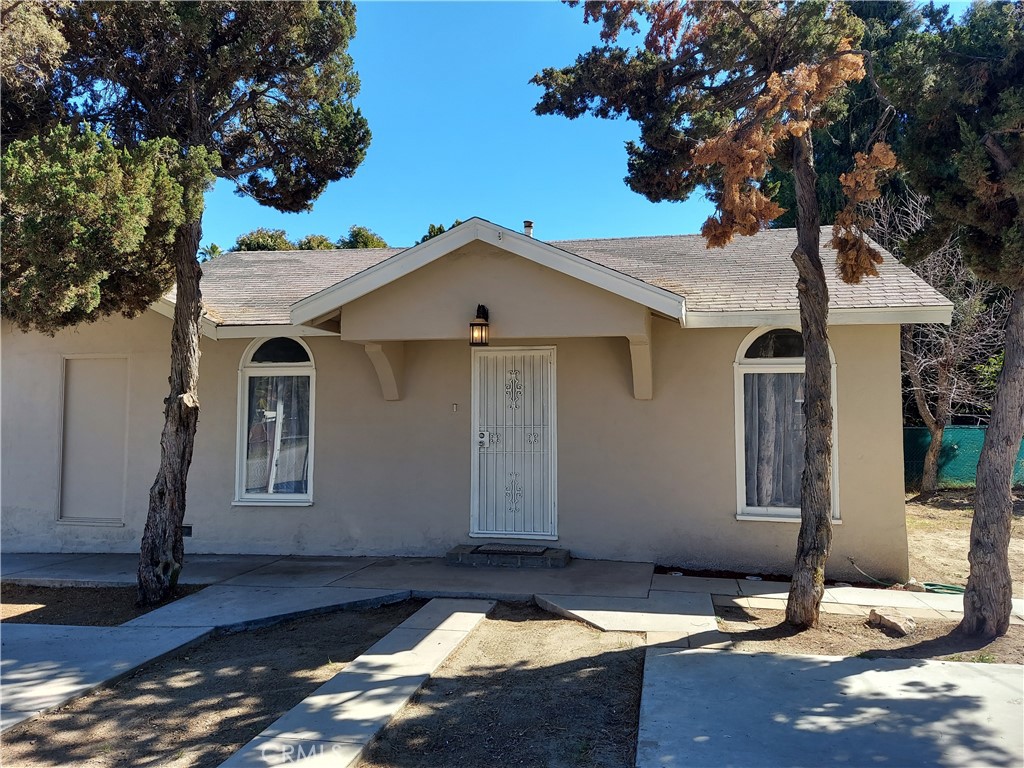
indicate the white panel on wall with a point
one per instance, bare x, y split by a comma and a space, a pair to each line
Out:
95, 427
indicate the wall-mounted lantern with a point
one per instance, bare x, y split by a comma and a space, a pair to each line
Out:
479, 328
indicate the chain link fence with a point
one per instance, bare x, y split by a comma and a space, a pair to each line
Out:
958, 458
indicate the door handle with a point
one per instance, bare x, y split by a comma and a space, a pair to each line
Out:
483, 439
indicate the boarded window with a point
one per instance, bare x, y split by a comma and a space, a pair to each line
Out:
93, 452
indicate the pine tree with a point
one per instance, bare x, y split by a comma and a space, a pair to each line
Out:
965, 150
263, 239
722, 93
362, 237
257, 93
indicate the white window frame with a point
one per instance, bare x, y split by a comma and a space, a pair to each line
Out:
246, 370
743, 366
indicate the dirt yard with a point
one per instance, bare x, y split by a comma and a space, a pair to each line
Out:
764, 631
87, 606
938, 536
526, 689
200, 705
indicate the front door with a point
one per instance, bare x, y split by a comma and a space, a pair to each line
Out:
514, 443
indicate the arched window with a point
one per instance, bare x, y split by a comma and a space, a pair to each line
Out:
275, 436
770, 425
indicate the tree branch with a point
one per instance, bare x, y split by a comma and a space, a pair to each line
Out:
869, 61
914, 373
234, 173
997, 153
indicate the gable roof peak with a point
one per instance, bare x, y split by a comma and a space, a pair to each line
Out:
479, 229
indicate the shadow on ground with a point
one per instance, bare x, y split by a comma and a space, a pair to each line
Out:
526, 689
199, 705
529, 689
706, 708
82, 606
756, 709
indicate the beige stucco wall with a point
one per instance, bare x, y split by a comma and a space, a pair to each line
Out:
637, 480
31, 380
526, 300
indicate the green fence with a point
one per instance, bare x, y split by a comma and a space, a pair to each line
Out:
958, 459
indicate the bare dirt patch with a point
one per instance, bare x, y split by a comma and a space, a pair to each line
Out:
75, 606
765, 631
200, 705
526, 688
938, 537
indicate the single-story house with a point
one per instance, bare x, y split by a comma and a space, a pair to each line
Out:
637, 399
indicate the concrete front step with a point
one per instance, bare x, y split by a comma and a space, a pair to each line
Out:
507, 556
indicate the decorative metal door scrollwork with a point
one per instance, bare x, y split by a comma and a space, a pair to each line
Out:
513, 493
513, 389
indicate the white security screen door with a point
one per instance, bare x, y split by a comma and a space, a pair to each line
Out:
514, 443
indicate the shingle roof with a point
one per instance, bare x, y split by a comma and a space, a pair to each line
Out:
750, 274
259, 287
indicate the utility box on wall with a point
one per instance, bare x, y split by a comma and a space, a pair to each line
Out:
958, 459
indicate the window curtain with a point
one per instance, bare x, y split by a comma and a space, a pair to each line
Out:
277, 451
773, 438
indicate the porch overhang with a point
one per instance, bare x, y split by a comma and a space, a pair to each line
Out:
335, 297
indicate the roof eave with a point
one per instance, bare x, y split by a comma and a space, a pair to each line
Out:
941, 313
213, 330
165, 306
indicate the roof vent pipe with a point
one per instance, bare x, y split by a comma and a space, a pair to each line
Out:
528, 228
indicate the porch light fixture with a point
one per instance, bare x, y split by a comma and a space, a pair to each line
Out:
479, 328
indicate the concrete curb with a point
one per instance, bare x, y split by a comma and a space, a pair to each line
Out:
336, 723
280, 618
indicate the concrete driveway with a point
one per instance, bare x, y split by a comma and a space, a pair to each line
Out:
727, 708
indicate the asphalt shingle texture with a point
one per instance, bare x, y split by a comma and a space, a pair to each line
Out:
750, 274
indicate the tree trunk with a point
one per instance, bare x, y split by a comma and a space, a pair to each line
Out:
987, 601
930, 471
767, 424
935, 422
815, 538
163, 550
937, 426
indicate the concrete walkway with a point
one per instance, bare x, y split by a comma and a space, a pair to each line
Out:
727, 708
111, 570
45, 666
851, 601
334, 724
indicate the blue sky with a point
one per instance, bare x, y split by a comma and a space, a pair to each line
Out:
445, 88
